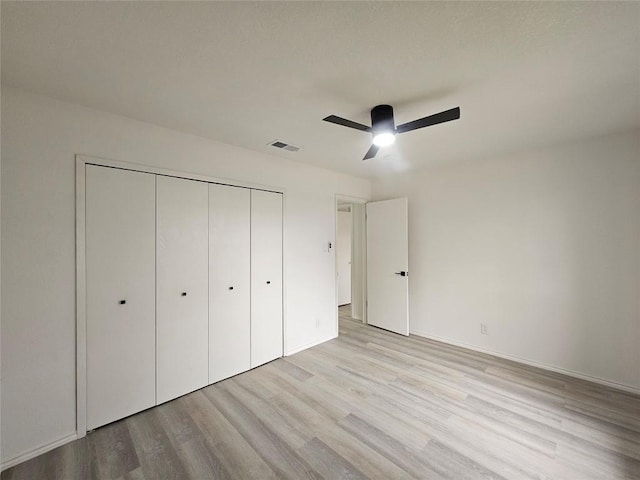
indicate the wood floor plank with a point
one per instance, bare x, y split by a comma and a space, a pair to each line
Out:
282, 459
157, 457
325, 427
602, 466
184, 435
536, 431
177, 422
369, 404
200, 461
603, 413
329, 463
402, 455
279, 381
238, 457
269, 388
136, 474
361, 455
403, 431
296, 372
34, 468
114, 450
452, 463
317, 398
280, 423
614, 437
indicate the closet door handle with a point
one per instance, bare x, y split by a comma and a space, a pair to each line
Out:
230, 288
268, 282
122, 302
183, 294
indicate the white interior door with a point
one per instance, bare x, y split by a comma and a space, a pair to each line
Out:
343, 257
229, 281
182, 287
120, 269
266, 277
387, 265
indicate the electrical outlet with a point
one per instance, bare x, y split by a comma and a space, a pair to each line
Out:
484, 329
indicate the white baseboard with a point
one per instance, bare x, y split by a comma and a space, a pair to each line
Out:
532, 363
37, 451
309, 345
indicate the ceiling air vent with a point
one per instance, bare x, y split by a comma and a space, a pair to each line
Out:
284, 146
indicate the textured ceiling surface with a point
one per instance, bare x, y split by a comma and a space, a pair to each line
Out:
525, 74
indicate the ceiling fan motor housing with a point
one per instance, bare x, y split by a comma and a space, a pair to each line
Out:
382, 119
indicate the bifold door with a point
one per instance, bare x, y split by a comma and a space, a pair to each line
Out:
120, 272
181, 285
229, 281
388, 265
266, 277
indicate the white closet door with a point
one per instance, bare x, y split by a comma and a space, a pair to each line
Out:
182, 286
120, 242
229, 279
266, 277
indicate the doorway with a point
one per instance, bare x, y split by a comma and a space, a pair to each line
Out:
350, 256
384, 276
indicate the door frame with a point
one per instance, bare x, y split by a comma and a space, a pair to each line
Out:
81, 249
362, 252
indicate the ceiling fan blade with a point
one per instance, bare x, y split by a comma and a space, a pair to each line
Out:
346, 123
371, 152
446, 116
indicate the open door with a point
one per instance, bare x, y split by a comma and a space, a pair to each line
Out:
387, 265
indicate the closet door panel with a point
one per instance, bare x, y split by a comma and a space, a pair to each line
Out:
182, 285
266, 277
120, 274
229, 279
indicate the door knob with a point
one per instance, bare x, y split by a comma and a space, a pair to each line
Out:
402, 273
122, 302
183, 294
230, 288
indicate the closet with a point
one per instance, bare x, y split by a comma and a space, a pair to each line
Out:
183, 287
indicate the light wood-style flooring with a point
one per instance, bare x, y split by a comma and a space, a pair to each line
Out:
370, 404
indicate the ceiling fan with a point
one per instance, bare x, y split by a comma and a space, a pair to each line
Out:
383, 127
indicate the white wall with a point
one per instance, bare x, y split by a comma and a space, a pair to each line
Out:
40, 138
543, 246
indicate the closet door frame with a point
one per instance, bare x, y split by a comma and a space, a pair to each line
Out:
81, 273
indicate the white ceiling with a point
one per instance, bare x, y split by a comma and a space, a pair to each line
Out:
524, 74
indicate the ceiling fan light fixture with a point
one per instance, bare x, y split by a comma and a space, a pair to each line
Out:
383, 126
384, 139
